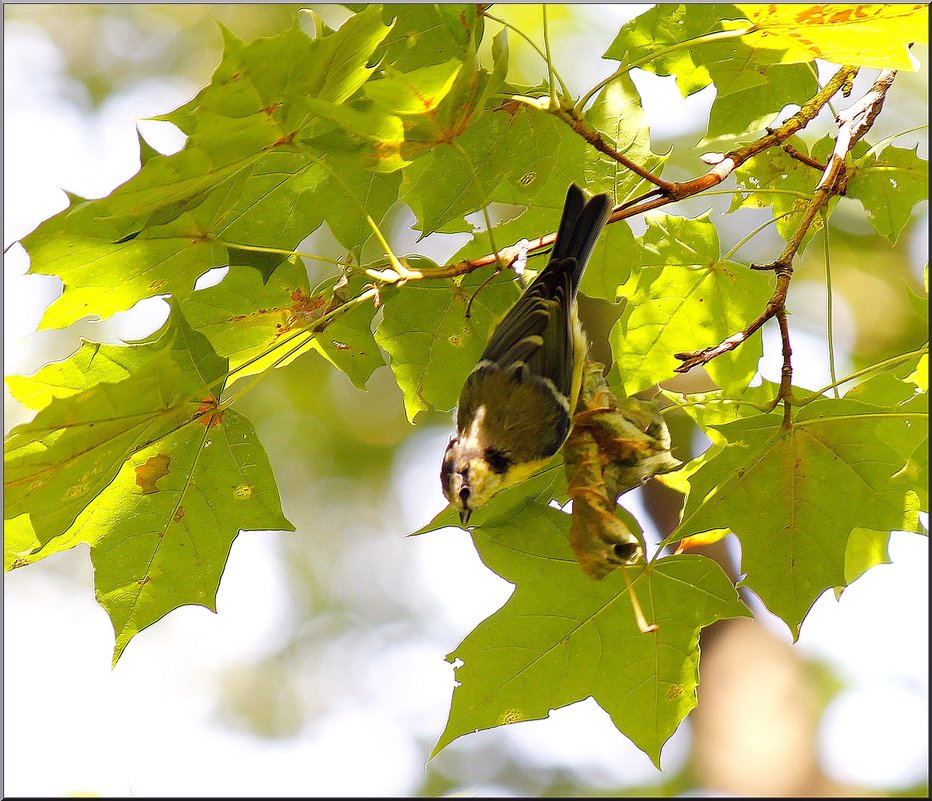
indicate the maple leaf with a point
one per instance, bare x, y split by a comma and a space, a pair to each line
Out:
768, 486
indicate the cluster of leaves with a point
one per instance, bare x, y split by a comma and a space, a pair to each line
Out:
137, 451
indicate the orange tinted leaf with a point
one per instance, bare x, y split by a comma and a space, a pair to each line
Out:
866, 35
154, 468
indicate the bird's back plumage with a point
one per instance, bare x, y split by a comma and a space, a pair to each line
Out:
538, 329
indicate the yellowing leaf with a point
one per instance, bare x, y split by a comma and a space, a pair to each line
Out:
416, 92
866, 35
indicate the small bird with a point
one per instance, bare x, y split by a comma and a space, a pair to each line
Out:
515, 409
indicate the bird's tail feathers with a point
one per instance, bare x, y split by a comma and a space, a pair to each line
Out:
580, 226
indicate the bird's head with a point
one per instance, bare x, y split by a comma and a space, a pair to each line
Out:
471, 474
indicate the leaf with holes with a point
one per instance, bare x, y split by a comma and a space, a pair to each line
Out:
889, 184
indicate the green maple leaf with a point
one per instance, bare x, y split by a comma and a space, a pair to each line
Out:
769, 486
171, 515
257, 325
889, 184
709, 410
659, 40
458, 178
905, 428
686, 298
103, 272
425, 34
243, 178
416, 92
618, 115
426, 116
431, 343
752, 86
562, 637
130, 454
92, 364
63, 459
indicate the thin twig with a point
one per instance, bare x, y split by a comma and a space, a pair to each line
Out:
785, 393
800, 156
579, 124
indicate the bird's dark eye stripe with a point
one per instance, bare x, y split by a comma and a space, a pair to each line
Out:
497, 460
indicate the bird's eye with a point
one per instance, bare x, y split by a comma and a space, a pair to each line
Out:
625, 550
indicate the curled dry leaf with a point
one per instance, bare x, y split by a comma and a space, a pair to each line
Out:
615, 445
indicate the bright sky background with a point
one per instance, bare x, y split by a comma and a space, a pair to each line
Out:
150, 727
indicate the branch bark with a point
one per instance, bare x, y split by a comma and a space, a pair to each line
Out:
853, 123
666, 192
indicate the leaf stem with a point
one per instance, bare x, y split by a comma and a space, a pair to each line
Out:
746, 239
829, 333
550, 71
402, 273
483, 195
893, 360
879, 143
761, 407
533, 44
643, 625
281, 251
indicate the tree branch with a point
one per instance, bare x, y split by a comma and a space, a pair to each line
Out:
668, 192
852, 123
579, 124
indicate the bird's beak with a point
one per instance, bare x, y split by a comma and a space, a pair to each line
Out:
464, 516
